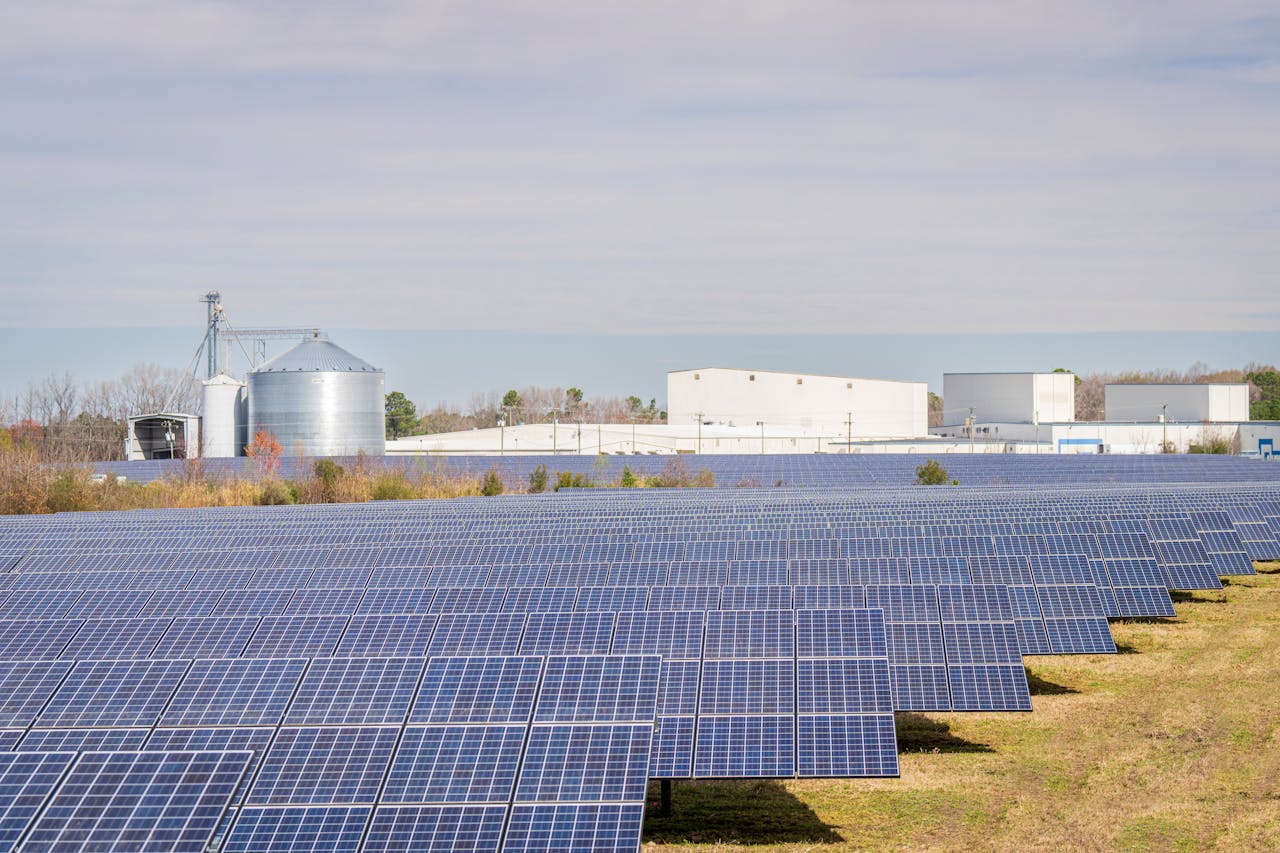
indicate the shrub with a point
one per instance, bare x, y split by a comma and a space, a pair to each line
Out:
570, 480
328, 473
628, 480
538, 480
932, 474
392, 486
69, 492
491, 484
277, 493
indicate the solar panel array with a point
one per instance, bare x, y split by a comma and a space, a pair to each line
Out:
508, 673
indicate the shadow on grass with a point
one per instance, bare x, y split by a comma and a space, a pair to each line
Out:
1185, 596
734, 811
918, 733
1043, 687
1126, 649
1266, 568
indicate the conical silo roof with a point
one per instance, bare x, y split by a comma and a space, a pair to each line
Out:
316, 354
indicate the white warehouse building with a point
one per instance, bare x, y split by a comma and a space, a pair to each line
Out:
1212, 403
1009, 397
805, 404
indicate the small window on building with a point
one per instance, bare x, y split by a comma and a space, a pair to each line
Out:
849, 385
697, 376
799, 381
751, 378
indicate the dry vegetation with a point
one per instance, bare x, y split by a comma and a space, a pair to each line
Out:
30, 485
1173, 744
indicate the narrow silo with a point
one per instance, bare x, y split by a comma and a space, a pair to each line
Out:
317, 399
223, 417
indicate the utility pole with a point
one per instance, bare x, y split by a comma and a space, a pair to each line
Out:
633, 435
699, 432
502, 435
761, 437
599, 441
971, 424
848, 438
1164, 428
555, 446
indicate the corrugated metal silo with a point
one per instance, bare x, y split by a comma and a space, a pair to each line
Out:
317, 399
223, 415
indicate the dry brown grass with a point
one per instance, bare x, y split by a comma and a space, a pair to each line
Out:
1174, 744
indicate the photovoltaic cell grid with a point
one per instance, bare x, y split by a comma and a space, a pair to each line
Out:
1069, 570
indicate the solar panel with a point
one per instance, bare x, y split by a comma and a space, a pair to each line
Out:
585, 763
477, 634
355, 691
455, 764
297, 829
296, 636
601, 827
598, 689
113, 693
82, 740
438, 829
206, 637
477, 690
667, 633
750, 634
567, 633
740, 747
26, 781
255, 740
167, 802
24, 688
834, 745
244, 692
402, 634
324, 766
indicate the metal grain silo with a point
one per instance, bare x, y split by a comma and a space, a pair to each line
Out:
317, 399
223, 415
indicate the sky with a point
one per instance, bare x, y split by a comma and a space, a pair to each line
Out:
681, 170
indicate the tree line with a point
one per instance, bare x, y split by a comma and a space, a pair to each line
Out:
1263, 381
531, 405
63, 420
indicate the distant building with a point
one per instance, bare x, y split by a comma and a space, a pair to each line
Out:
1009, 397
1211, 403
801, 403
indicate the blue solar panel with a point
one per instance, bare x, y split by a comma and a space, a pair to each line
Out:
667, 633
989, 688
248, 692
262, 602
468, 600
671, 756
290, 636
35, 639
24, 688
920, 687
981, 642
741, 747
843, 686
255, 740
477, 690
599, 598
181, 602
115, 603
396, 600
206, 637
603, 827
477, 634
747, 687
324, 766
585, 763
684, 598
436, 829
116, 639
846, 745
355, 691
755, 598
598, 689
1080, 636
547, 599
829, 597
338, 829
905, 603
82, 740
750, 634
567, 633
455, 764
113, 693
840, 633
387, 634
166, 802
340, 602
26, 780
678, 687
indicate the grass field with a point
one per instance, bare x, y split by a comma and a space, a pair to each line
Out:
1172, 744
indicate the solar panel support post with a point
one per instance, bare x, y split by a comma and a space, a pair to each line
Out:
664, 798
